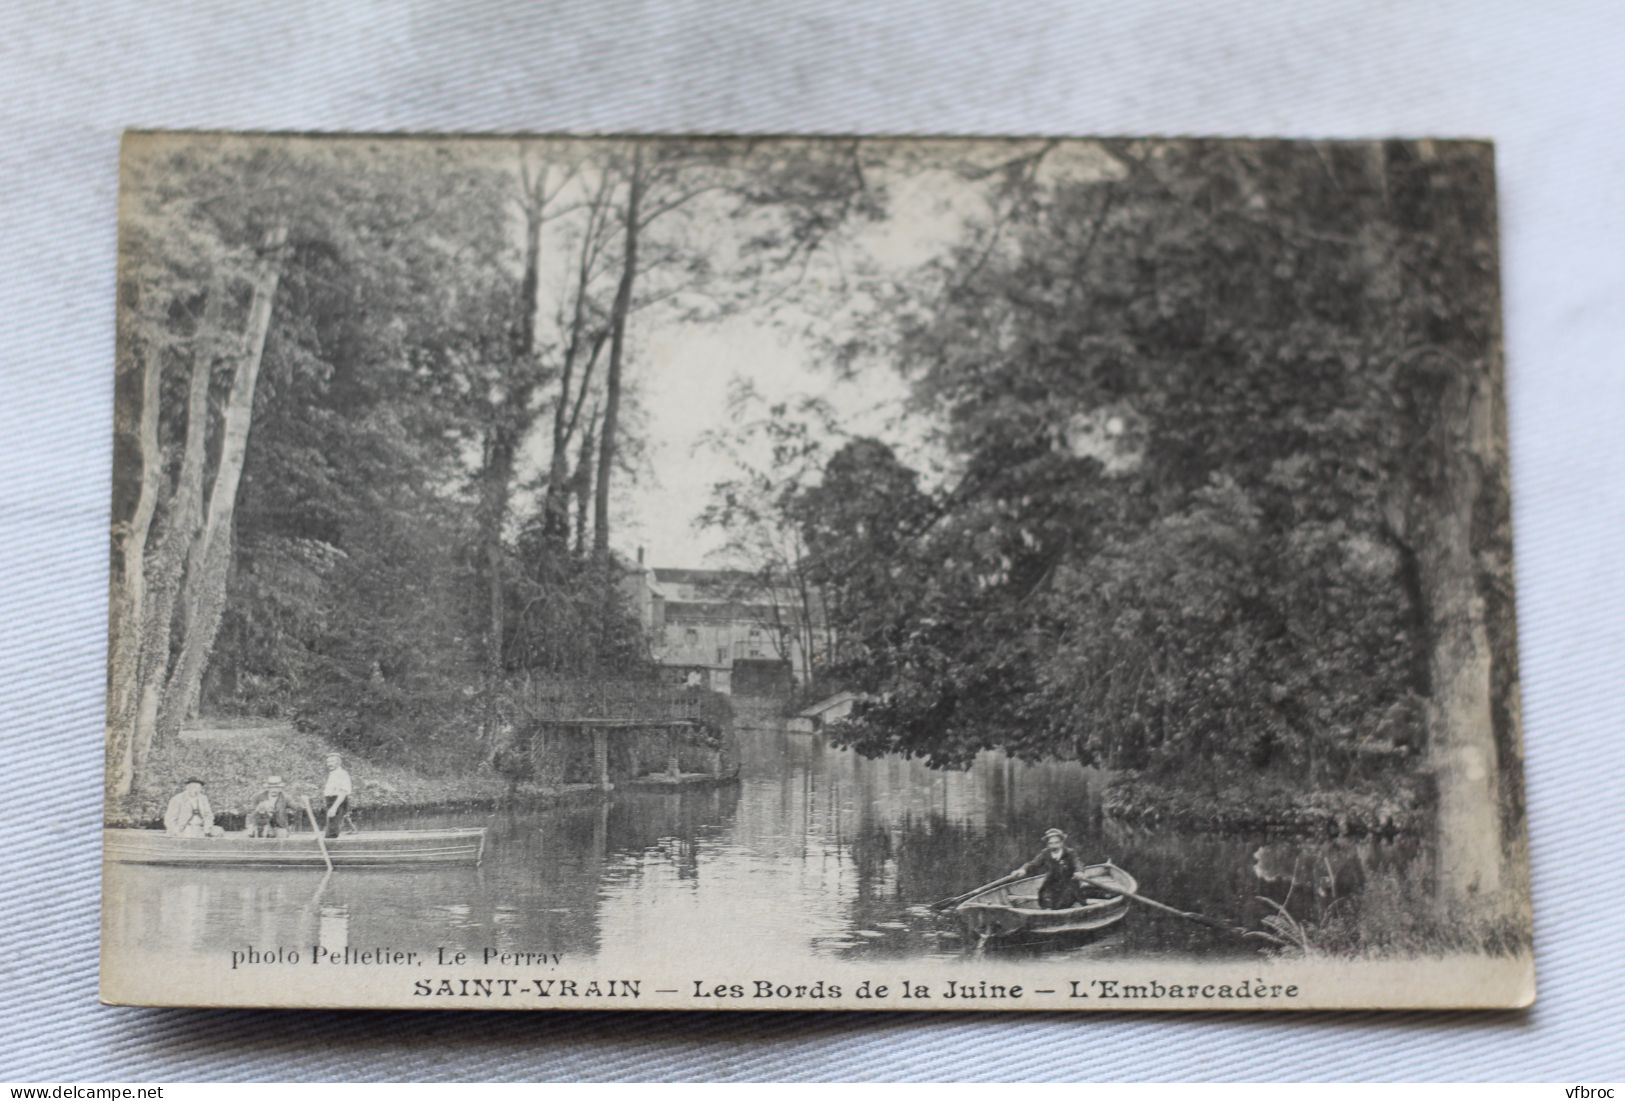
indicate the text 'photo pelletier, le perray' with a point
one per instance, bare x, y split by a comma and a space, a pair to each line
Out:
774, 573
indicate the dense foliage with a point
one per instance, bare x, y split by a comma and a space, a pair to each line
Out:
374, 399
1190, 407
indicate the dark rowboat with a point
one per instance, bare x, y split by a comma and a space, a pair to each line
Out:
351, 850
1012, 909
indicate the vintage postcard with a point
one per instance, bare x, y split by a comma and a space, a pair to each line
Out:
655, 573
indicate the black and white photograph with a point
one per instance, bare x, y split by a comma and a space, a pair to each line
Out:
633, 572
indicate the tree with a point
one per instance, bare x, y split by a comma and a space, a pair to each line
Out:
777, 450
215, 230
166, 252
632, 228
209, 557
1220, 426
783, 201
859, 523
505, 350
584, 335
1451, 497
127, 599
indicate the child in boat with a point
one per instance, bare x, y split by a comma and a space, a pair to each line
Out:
272, 814
1062, 870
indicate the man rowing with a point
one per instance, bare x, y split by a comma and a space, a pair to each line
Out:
1062, 870
337, 793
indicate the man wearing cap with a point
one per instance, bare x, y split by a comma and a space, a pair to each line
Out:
273, 813
189, 813
1062, 870
337, 793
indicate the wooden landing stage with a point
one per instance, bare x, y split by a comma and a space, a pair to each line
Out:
641, 733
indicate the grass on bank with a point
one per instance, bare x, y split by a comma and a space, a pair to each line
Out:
234, 758
1401, 916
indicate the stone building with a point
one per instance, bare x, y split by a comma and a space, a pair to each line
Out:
702, 623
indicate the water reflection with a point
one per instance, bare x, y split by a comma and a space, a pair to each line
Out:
815, 851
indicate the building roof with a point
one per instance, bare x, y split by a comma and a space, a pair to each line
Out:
683, 576
812, 711
680, 611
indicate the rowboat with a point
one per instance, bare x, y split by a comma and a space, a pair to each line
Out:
1012, 909
350, 850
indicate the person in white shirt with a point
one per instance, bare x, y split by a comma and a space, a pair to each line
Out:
189, 813
337, 793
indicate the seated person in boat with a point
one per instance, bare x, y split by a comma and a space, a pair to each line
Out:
1062, 870
189, 813
272, 814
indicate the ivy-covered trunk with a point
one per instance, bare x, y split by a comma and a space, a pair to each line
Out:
166, 567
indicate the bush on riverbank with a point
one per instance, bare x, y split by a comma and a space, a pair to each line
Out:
1244, 802
1402, 915
235, 757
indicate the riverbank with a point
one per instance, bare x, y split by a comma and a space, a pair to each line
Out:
234, 758
1253, 804
1402, 914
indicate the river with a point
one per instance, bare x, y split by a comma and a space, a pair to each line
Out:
815, 851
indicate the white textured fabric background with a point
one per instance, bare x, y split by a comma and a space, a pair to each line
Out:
1545, 80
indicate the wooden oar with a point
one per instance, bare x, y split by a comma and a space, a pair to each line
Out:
947, 903
1188, 915
321, 836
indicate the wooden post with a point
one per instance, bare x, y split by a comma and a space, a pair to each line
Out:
600, 831
674, 767
600, 760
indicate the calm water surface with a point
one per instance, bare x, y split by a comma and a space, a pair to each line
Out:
816, 851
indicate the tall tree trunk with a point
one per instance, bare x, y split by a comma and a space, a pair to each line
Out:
566, 416
127, 606
511, 419
531, 279
556, 497
1454, 452
581, 351
583, 483
205, 593
498, 476
617, 354
830, 655
498, 473
182, 524
1461, 737
805, 628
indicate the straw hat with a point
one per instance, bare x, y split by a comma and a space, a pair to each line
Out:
1053, 832
273, 781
